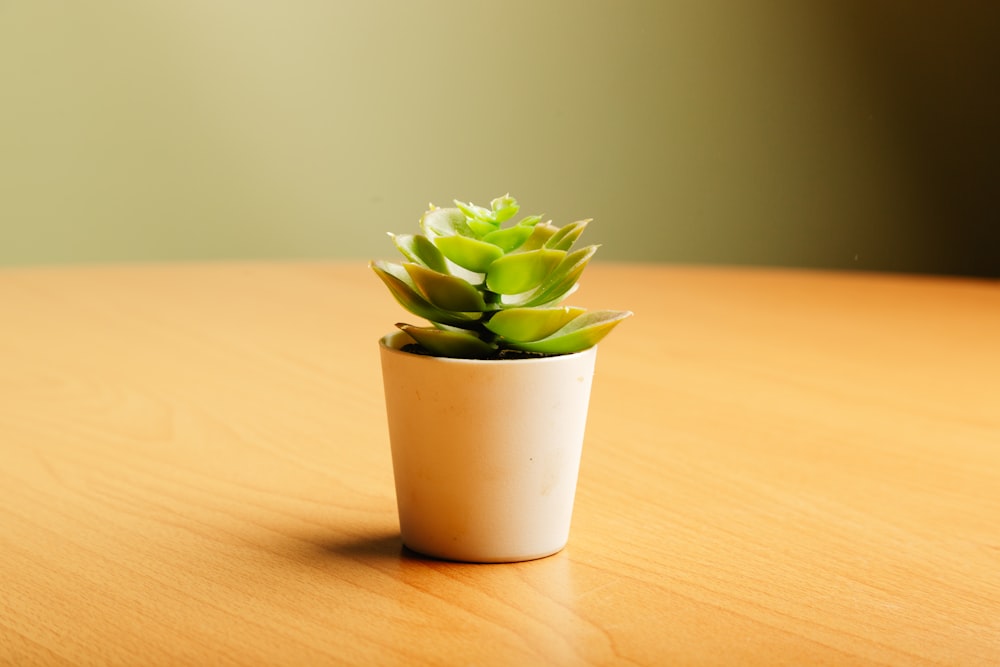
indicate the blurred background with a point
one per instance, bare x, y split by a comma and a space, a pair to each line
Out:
849, 134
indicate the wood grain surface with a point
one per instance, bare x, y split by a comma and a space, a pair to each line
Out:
781, 468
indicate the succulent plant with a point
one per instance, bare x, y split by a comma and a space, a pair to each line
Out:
489, 288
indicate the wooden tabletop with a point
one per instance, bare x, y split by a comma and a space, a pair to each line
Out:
781, 467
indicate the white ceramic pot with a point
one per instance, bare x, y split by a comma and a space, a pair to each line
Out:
485, 454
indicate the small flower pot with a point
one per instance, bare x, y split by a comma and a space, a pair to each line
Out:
485, 454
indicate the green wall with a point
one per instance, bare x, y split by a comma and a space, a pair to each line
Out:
718, 132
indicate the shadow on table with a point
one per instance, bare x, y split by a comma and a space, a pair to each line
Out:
374, 547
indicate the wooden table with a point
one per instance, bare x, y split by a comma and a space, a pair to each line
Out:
781, 467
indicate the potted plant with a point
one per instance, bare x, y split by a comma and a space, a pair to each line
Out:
487, 406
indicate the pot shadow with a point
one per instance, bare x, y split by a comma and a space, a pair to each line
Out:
378, 547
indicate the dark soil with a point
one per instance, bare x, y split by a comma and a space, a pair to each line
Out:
413, 348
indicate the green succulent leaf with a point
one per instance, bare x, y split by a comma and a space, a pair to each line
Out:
540, 234
530, 221
530, 324
445, 291
449, 343
480, 228
504, 208
406, 293
567, 235
522, 271
562, 280
509, 239
470, 254
579, 334
444, 222
475, 212
419, 249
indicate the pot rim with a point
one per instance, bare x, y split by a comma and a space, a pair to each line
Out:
395, 340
